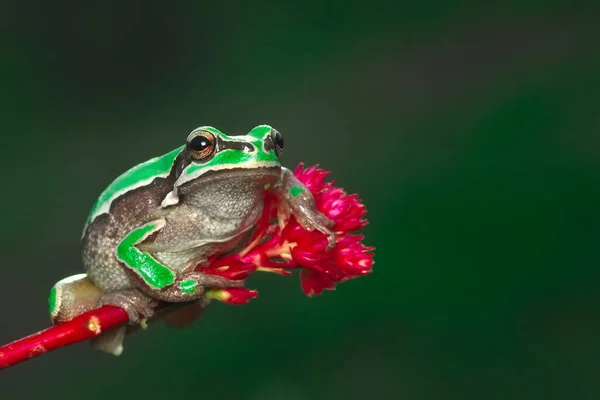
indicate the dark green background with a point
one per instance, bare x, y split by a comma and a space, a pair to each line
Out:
470, 131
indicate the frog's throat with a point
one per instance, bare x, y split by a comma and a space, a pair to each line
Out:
229, 160
271, 169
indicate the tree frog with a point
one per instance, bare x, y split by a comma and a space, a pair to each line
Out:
155, 224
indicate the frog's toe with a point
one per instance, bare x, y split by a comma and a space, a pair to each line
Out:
331, 240
319, 222
136, 304
325, 220
326, 227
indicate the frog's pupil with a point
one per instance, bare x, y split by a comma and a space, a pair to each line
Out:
199, 143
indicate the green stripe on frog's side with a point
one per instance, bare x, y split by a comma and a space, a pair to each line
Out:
296, 191
151, 271
56, 293
52, 301
188, 286
141, 175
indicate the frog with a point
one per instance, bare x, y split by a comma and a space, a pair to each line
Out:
151, 229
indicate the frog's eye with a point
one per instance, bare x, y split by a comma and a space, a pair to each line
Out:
202, 145
277, 138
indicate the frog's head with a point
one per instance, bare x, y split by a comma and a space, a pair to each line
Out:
209, 154
209, 149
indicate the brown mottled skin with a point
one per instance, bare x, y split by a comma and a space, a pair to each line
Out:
213, 214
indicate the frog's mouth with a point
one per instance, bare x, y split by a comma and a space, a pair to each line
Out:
236, 172
233, 177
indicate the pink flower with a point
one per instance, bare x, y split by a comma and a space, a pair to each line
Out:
279, 250
352, 256
313, 178
346, 210
230, 267
313, 283
232, 295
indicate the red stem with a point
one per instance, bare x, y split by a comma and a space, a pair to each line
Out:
80, 328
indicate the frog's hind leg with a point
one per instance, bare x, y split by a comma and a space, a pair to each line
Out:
72, 296
75, 295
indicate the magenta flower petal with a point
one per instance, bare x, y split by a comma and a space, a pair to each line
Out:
276, 250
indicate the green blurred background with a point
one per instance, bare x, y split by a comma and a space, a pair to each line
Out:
469, 130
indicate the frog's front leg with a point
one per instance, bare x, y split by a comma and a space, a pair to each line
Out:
159, 281
293, 197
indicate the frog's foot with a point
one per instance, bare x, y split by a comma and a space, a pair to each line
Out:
308, 217
71, 297
138, 305
76, 295
296, 199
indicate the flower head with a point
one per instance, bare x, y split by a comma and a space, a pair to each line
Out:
281, 250
232, 295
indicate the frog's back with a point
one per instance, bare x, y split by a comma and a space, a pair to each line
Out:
130, 200
138, 176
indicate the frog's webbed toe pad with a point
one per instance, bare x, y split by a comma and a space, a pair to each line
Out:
138, 305
72, 296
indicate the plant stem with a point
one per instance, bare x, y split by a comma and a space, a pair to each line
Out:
80, 328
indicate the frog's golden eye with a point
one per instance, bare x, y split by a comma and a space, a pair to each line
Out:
202, 145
